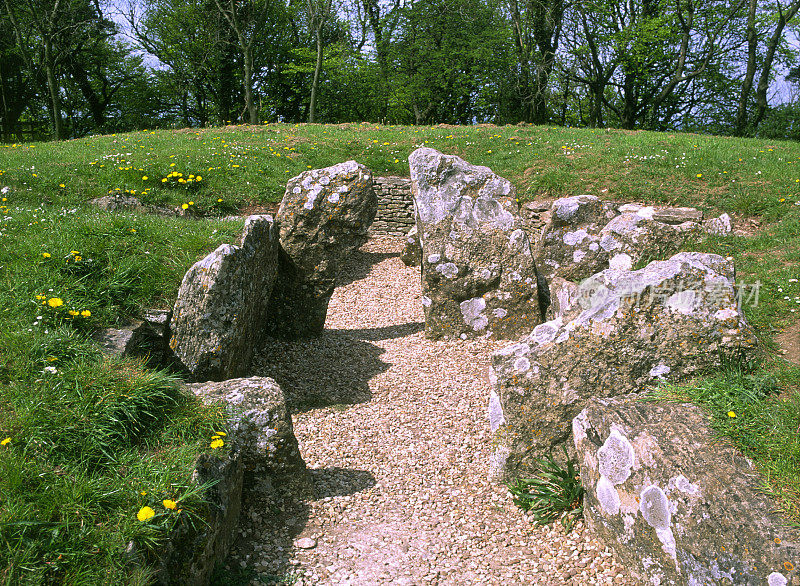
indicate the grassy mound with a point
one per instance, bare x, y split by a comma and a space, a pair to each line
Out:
86, 443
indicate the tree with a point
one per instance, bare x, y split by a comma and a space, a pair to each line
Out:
319, 12
247, 19
47, 32
757, 29
536, 26
447, 59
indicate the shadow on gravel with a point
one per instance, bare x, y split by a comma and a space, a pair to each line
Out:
383, 333
334, 369
359, 264
273, 517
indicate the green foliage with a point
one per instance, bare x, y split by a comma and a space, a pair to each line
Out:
552, 493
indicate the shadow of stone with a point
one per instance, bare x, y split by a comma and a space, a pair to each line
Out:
359, 264
274, 513
385, 332
335, 481
336, 369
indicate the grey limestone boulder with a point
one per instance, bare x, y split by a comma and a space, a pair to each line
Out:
323, 217
259, 421
411, 255
585, 235
478, 274
128, 203
676, 504
221, 310
625, 330
259, 439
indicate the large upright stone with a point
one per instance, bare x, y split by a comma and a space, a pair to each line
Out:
677, 505
668, 321
221, 309
324, 216
478, 273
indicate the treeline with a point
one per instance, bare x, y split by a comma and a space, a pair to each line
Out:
706, 65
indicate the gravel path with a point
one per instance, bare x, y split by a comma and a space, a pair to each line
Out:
393, 428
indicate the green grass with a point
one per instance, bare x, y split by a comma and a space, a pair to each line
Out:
88, 435
749, 405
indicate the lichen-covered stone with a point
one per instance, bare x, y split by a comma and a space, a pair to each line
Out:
677, 505
478, 274
720, 226
323, 217
585, 235
221, 310
259, 443
411, 255
258, 420
194, 548
667, 321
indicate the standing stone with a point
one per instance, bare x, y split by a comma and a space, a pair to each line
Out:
411, 255
324, 216
221, 309
666, 321
677, 505
478, 273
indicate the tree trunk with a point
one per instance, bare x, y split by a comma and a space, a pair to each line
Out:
315, 83
750, 72
248, 84
55, 99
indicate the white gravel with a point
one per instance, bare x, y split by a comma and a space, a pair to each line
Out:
394, 430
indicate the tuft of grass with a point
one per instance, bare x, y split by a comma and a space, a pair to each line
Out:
553, 493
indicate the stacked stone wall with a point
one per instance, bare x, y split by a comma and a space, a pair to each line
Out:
395, 206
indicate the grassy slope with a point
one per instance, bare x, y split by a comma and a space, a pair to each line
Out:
137, 262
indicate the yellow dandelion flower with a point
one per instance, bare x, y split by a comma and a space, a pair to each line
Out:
164, 180
86, 313
198, 178
699, 175
74, 313
731, 414
181, 180
61, 185
191, 203
45, 255
217, 443
74, 252
173, 164
783, 199
144, 177
169, 504
185, 206
219, 200
222, 433
145, 514
78, 258
55, 302
5, 442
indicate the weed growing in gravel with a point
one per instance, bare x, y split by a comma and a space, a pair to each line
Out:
553, 493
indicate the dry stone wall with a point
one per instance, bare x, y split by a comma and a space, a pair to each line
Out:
395, 206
